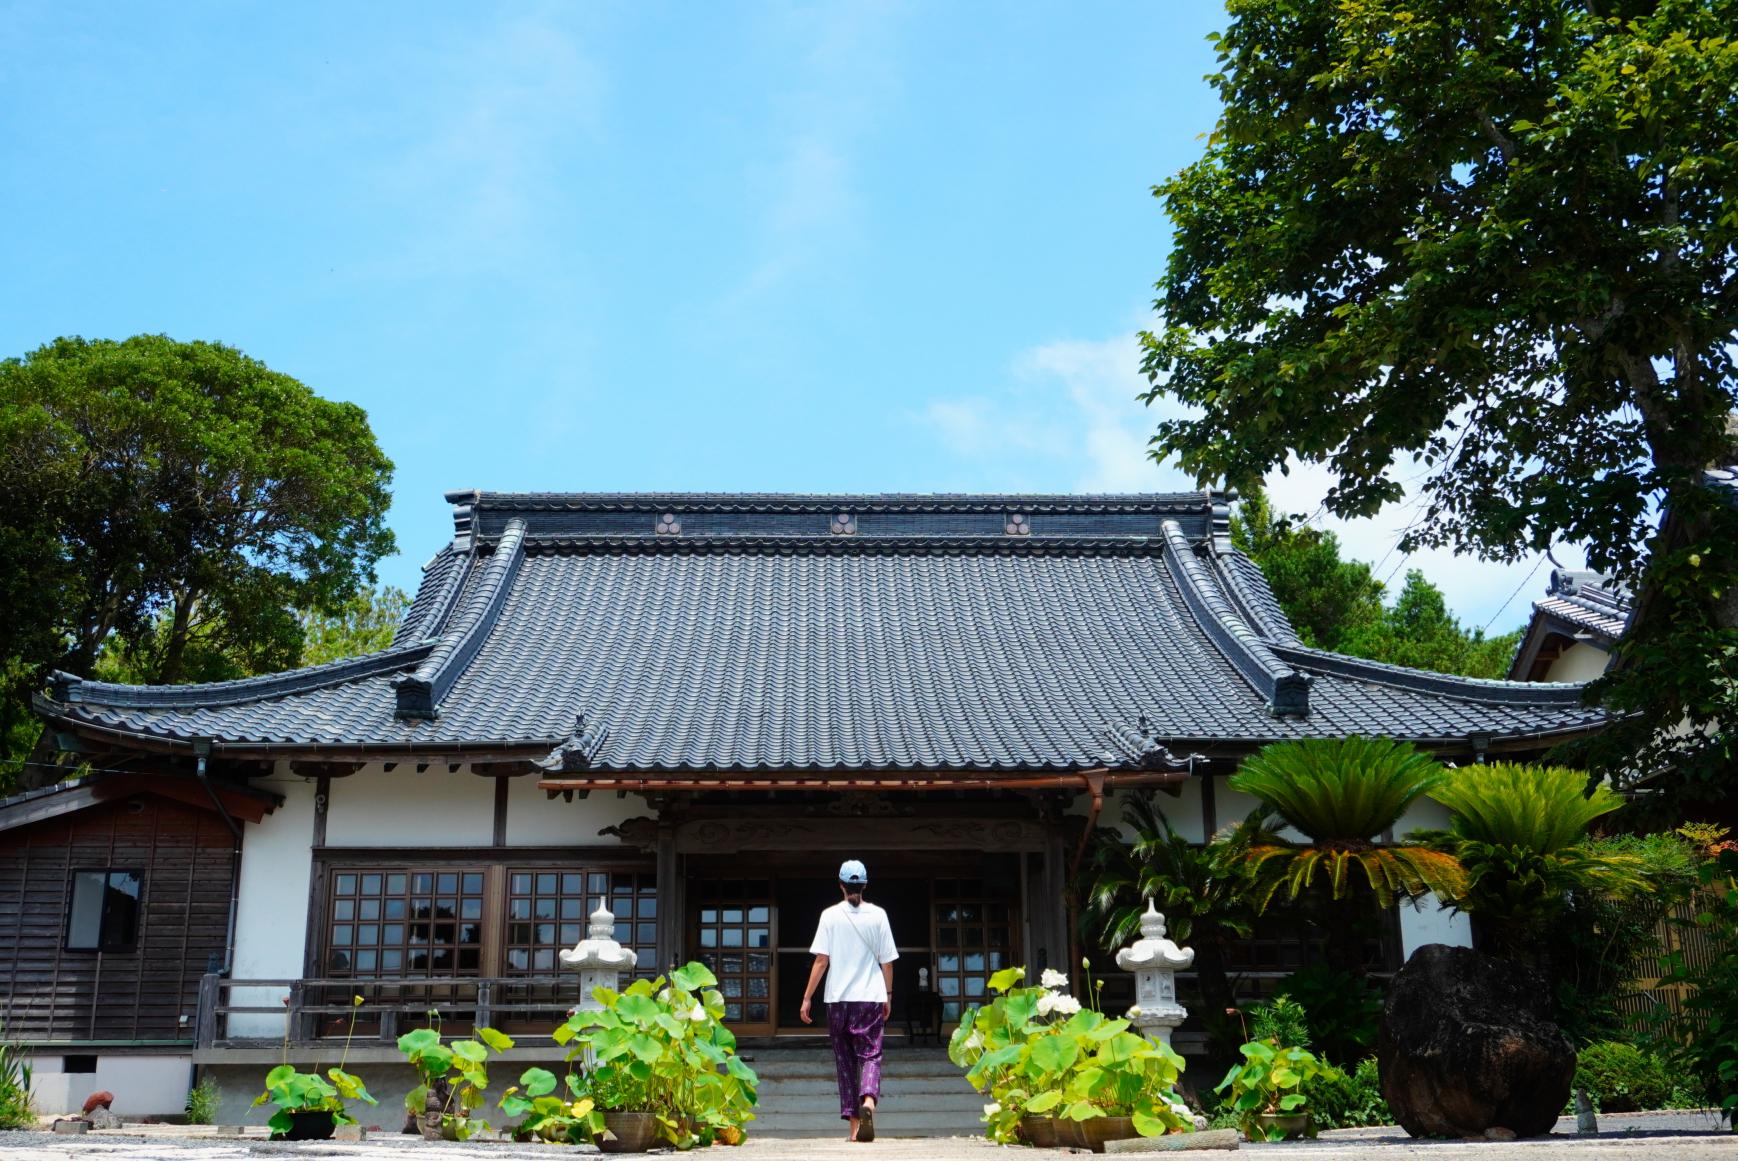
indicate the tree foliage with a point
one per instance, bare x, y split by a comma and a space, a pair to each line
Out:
1337, 604
1497, 239
174, 503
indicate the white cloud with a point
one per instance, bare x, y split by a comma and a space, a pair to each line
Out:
1066, 417
470, 150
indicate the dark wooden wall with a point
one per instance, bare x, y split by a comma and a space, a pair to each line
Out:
48, 993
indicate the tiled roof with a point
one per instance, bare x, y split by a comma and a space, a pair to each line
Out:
1587, 601
719, 632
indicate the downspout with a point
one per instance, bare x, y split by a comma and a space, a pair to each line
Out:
202, 751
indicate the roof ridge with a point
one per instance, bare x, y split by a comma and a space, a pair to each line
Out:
1236, 584
1287, 691
69, 688
419, 694
476, 499
1491, 691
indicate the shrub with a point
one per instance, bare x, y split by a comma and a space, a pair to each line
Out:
1283, 1020
202, 1101
1621, 1078
15, 1109
1711, 1013
1348, 1100
1343, 1010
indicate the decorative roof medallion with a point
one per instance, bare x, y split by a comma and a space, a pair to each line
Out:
844, 524
1019, 524
669, 525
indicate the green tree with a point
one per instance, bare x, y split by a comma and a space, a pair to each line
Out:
1343, 795
364, 624
1326, 598
1495, 238
1418, 630
167, 497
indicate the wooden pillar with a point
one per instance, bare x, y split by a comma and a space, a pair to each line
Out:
672, 900
1050, 924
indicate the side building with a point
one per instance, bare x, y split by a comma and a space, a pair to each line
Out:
689, 708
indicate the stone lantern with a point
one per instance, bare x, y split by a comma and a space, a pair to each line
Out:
599, 958
1155, 962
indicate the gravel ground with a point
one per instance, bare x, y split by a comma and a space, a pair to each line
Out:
1642, 1137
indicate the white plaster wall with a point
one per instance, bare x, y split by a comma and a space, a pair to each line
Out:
1580, 662
376, 807
271, 920
1430, 921
536, 820
144, 1086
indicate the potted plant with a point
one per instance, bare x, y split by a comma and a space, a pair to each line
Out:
660, 1065
1063, 1074
453, 1080
1265, 1090
310, 1106
544, 1116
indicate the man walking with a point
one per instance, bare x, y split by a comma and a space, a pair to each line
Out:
854, 949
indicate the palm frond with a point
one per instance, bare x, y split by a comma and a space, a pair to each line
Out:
1538, 808
1339, 788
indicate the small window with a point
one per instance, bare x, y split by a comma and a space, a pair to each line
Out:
105, 911
78, 1065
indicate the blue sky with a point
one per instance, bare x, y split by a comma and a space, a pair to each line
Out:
834, 247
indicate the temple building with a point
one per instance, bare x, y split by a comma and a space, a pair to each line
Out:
689, 708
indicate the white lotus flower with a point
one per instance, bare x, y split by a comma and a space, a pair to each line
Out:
1064, 1006
992, 1108
697, 1014
1047, 1003
975, 1040
1053, 979
1134, 1010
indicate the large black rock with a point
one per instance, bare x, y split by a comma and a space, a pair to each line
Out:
1467, 1044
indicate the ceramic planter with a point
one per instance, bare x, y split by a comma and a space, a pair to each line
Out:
1039, 1131
1293, 1125
310, 1125
628, 1132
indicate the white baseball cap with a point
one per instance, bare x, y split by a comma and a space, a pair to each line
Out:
853, 871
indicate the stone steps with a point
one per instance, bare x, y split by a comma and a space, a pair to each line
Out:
923, 1094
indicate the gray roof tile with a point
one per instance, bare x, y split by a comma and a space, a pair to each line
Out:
933, 637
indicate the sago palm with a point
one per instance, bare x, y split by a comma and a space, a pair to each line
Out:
1521, 833
1342, 794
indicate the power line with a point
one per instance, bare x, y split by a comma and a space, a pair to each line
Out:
1524, 582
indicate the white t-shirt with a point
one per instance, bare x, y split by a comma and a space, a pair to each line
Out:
856, 942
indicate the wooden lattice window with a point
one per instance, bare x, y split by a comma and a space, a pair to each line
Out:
547, 910
410, 921
736, 935
974, 939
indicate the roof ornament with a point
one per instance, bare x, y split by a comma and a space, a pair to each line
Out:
1135, 748
578, 752
843, 524
1018, 524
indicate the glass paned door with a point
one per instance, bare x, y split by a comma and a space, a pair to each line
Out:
974, 939
735, 935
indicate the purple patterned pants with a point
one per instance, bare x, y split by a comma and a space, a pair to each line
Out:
855, 1029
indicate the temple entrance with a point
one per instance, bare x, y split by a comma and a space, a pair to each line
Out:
956, 921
